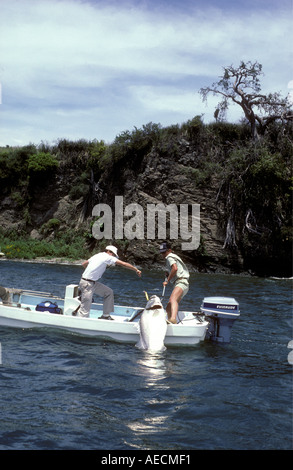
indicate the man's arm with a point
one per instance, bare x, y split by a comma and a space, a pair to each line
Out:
172, 274
128, 266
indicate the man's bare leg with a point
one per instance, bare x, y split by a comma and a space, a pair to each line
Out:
173, 304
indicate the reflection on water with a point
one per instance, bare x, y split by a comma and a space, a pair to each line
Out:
152, 367
149, 424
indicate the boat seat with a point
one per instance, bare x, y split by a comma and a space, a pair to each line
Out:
14, 296
14, 291
9, 296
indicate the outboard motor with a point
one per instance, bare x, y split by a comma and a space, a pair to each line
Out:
221, 313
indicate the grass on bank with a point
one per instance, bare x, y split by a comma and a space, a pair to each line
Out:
29, 249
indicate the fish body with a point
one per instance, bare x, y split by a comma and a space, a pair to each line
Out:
152, 326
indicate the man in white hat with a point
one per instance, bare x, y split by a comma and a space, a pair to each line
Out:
89, 285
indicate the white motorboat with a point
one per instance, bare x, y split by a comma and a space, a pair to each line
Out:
31, 309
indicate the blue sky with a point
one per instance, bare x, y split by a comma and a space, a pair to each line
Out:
79, 69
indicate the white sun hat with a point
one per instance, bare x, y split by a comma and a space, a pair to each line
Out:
113, 249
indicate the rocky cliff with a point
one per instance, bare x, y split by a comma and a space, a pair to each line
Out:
244, 222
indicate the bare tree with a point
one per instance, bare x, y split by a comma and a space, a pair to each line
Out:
242, 86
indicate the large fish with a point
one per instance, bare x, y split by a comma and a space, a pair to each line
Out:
152, 326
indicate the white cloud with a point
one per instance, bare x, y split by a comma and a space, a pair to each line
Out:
90, 70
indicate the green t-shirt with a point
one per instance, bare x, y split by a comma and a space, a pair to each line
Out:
182, 271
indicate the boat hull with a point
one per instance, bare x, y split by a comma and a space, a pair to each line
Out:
121, 329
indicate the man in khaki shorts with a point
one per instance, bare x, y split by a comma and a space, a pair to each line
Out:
178, 275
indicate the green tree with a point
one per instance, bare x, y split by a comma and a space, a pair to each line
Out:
241, 85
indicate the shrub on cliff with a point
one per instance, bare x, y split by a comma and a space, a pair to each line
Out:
41, 163
14, 164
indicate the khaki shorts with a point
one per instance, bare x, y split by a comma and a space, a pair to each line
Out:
183, 284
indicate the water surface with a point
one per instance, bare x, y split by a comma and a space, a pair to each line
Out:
63, 391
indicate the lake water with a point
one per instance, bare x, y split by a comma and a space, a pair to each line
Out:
61, 391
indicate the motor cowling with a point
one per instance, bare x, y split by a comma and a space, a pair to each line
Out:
221, 313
